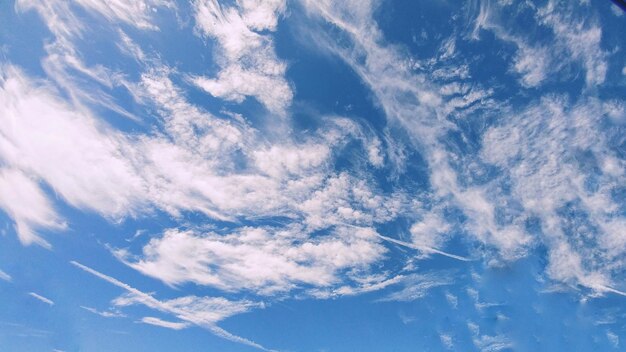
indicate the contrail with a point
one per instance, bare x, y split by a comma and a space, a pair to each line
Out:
425, 249
154, 303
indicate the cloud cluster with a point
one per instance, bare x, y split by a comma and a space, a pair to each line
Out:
506, 174
261, 260
249, 66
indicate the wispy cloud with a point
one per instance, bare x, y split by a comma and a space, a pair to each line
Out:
4, 276
417, 286
105, 314
249, 65
489, 343
192, 310
23, 200
265, 260
164, 324
41, 298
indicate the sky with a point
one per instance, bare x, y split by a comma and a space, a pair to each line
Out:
312, 175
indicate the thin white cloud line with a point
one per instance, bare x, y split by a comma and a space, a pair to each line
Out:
6, 277
608, 289
104, 314
164, 323
425, 249
154, 303
41, 298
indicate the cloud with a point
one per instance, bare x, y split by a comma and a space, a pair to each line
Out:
531, 163
4, 276
33, 119
549, 157
249, 64
64, 64
414, 103
452, 300
265, 260
63, 21
447, 341
581, 39
423, 248
41, 298
613, 339
22, 199
104, 314
417, 286
164, 324
190, 309
488, 343
576, 40
190, 167
546, 151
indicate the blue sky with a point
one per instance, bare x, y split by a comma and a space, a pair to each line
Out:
312, 175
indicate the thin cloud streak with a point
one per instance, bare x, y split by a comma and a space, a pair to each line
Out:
41, 298
180, 313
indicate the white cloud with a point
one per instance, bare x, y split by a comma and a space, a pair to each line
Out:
447, 341
581, 39
190, 167
532, 61
190, 309
165, 324
263, 260
345, 199
219, 166
429, 231
4, 276
543, 150
261, 15
23, 200
544, 177
41, 298
576, 40
131, 12
425, 249
234, 83
62, 20
106, 313
613, 338
65, 147
533, 64
414, 103
488, 343
64, 63
452, 300
417, 286
129, 47
249, 64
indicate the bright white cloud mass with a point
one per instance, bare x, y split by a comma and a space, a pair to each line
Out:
294, 175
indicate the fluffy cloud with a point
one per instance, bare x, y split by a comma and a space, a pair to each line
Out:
249, 65
549, 152
507, 176
576, 41
22, 199
65, 147
265, 261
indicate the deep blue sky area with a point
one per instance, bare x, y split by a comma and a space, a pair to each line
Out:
299, 175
